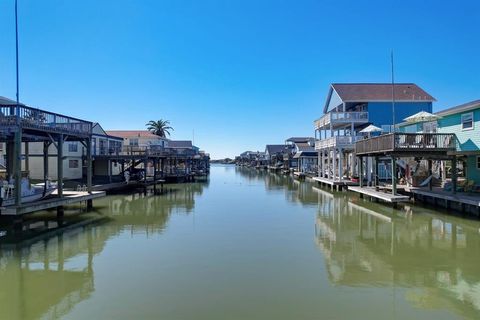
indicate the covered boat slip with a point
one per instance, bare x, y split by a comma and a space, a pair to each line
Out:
20, 126
426, 146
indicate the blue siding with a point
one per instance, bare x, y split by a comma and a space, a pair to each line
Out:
380, 113
469, 140
472, 172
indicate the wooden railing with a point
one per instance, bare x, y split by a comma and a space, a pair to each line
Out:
343, 117
43, 120
408, 142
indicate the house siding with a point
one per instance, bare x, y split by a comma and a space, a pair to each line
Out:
468, 140
380, 113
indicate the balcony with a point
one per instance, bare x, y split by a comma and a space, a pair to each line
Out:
413, 143
343, 118
40, 120
337, 142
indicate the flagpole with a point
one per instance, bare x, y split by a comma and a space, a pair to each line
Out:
16, 56
393, 92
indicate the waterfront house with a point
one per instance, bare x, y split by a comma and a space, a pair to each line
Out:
274, 155
349, 108
302, 155
74, 153
135, 141
464, 122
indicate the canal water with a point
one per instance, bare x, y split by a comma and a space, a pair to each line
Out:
244, 245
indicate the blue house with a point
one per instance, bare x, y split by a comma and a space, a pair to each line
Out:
464, 122
349, 108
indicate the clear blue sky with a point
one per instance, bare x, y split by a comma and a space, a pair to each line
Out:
240, 73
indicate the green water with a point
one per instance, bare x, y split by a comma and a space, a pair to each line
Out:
244, 245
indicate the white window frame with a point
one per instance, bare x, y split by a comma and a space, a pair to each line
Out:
72, 147
462, 121
73, 161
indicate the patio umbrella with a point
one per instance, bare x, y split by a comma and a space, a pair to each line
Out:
371, 128
422, 116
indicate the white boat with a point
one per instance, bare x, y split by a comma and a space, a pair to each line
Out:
29, 193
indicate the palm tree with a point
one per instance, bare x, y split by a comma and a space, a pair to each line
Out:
160, 127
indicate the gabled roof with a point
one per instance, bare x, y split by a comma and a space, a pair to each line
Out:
98, 130
376, 92
365, 92
305, 146
132, 134
461, 108
275, 148
299, 139
180, 144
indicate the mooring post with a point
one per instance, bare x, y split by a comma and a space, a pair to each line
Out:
394, 176
17, 166
89, 172
454, 174
60, 165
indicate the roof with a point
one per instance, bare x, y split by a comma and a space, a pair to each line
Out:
312, 154
364, 92
299, 139
460, 108
8, 102
275, 148
132, 134
304, 146
180, 144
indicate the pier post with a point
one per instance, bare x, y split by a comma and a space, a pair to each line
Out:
454, 174
89, 171
27, 158
17, 166
60, 165
334, 162
394, 176
340, 164
430, 184
376, 172
46, 145
360, 171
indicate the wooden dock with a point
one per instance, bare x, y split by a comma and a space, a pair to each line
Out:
447, 199
129, 185
335, 184
69, 197
379, 195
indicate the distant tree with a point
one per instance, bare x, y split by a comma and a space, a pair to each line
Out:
160, 127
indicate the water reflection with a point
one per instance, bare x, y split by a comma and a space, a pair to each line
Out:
295, 191
48, 278
434, 256
46, 265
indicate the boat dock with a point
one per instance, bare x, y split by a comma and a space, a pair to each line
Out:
335, 184
69, 198
378, 194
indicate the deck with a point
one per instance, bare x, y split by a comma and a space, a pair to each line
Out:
344, 142
440, 196
407, 143
372, 192
331, 182
69, 197
335, 119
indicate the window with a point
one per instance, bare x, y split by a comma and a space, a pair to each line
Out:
467, 121
72, 147
478, 162
134, 142
73, 164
